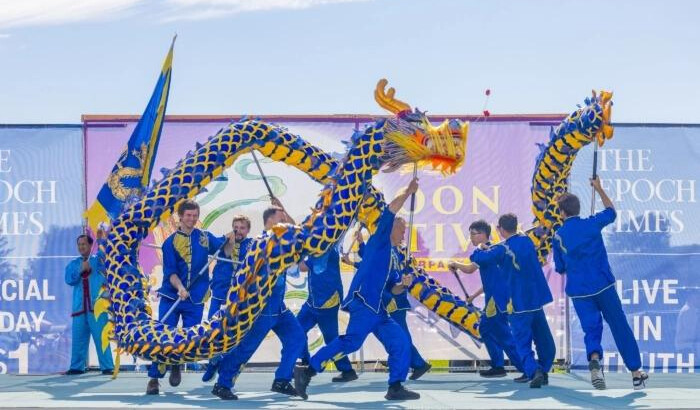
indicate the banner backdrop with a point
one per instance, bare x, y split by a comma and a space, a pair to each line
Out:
41, 202
650, 173
495, 179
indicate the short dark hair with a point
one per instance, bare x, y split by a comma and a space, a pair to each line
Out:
481, 226
569, 203
508, 222
242, 218
270, 211
187, 205
89, 239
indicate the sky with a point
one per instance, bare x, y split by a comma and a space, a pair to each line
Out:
60, 59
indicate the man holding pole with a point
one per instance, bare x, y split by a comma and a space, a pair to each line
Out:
274, 316
364, 303
185, 281
494, 326
579, 253
528, 294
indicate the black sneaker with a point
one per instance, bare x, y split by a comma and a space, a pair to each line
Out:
152, 387
224, 393
175, 375
522, 379
417, 373
597, 377
546, 380
302, 378
640, 382
537, 380
73, 372
209, 373
398, 392
108, 372
493, 372
283, 387
345, 377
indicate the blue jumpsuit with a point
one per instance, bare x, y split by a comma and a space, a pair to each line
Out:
364, 303
398, 305
86, 291
222, 275
529, 292
579, 252
276, 317
494, 327
321, 307
185, 256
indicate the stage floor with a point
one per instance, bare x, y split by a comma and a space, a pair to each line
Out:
438, 391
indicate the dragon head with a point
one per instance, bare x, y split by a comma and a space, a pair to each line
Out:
410, 137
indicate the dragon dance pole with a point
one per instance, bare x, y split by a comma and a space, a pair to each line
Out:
262, 174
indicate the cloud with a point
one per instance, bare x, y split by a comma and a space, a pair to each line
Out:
205, 9
21, 13
48, 12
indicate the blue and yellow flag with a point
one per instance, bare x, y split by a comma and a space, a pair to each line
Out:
132, 172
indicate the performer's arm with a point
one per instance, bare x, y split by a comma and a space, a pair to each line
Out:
464, 267
398, 202
557, 255
490, 255
476, 294
177, 284
73, 273
595, 183
287, 219
405, 283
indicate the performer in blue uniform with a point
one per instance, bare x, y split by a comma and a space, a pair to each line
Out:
223, 274
364, 303
276, 317
579, 252
395, 294
86, 274
494, 327
185, 253
322, 306
529, 292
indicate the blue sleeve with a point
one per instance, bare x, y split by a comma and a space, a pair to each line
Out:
169, 260
394, 279
73, 272
101, 256
215, 242
557, 254
361, 249
605, 217
386, 222
493, 255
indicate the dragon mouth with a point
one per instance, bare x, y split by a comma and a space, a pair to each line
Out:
410, 137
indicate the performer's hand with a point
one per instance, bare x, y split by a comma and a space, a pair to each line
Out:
100, 234
85, 267
358, 236
276, 202
483, 246
412, 186
470, 299
452, 266
406, 279
595, 183
346, 259
182, 293
231, 237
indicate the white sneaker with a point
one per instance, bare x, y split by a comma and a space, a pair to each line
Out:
640, 382
597, 377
